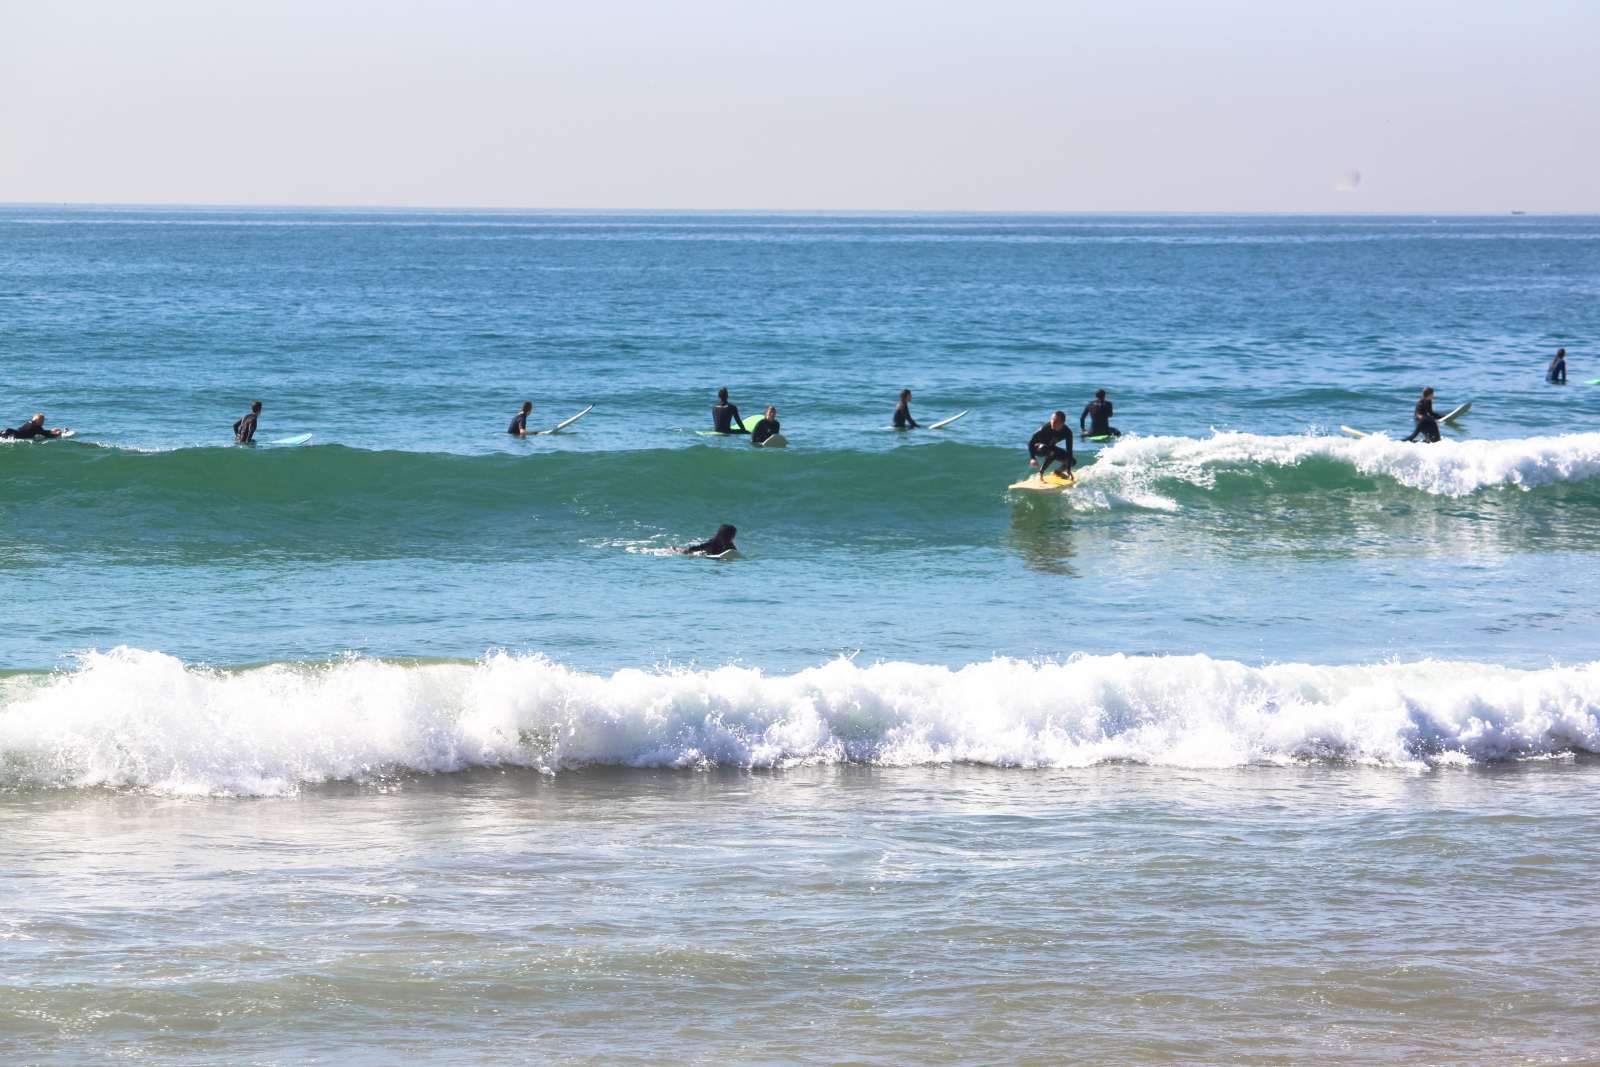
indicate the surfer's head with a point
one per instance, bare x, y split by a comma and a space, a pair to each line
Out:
527, 406
725, 535
1058, 420
1428, 391
722, 394
772, 412
1099, 394
1561, 353
38, 417
905, 394
255, 407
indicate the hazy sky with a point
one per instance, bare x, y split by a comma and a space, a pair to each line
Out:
1147, 105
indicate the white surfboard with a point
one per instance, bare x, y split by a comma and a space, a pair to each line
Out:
1458, 412
563, 424
1353, 432
777, 440
289, 442
942, 423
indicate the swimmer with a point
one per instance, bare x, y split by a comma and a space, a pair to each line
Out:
1043, 447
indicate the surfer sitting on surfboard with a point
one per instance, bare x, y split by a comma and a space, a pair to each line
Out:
902, 412
1557, 374
34, 427
519, 422
766, 427
1098, 412
1043, 447
244, 431
1426, 418
721, 542
725, 416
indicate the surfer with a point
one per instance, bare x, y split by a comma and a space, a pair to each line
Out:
725, 416
519, 422
902, 412
721, 541
244, 431
1557, 374
1043, 446
1098, 413
1426, 418
766, 427
34, 427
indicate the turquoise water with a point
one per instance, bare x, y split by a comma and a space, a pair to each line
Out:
420, 734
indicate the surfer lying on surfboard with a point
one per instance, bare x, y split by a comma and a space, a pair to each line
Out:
721, 541
1098, 413
1043, 447
1426, 418
34, 427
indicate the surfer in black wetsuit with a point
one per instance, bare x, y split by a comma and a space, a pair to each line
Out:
1098, 413
1426, 418
725, 416
1557, 374
766, 427
34, 427
519, 422
721, 542
902, 412
244, 431
1043, 447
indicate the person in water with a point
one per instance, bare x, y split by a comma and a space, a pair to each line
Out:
1044, 446
519, 422
1426, 418
1098, 413
34, 427
766, 427
1557, 374
902, 412
721, 541
725, 416
244, 431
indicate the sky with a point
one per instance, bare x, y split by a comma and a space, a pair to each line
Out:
985, 105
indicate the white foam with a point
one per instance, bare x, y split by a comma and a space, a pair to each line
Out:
1130, 470
142, 720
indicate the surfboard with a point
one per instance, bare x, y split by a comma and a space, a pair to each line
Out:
563, 424
717, 433
297, 439
942, 423
1050, 483
1458, 412
1101, 438
777, 440
1592, 381
1353, 432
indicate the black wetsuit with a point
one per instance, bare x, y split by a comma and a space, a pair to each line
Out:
725, 419
1557, 374
902, 417
762, 430
1042, 446
27, 430
519, 425
244, 431
720, 543
1427, 421
1098, 412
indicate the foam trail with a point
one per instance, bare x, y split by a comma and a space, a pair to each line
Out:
143, 720
1131, 468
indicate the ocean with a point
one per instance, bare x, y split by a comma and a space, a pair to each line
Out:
419, 744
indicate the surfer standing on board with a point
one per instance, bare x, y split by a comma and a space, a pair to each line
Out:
725, 416
1043, 447
244, 431
1098, 412
1426, 418
902, 412
1557, 374
519, 422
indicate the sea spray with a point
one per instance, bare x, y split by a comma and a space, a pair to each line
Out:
143, 720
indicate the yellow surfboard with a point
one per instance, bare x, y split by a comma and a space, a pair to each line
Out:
1050, 483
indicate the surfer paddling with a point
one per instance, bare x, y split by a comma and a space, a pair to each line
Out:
725, 415
721, 541
902, 412
34, 427
1044, 446
1426, 418
1098, 414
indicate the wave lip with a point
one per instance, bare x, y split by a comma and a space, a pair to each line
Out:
1134, 466
143, 720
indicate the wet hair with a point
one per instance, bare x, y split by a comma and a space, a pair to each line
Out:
255, 406
527, 405
1561, 351
1428, 391
726, 532
722, 394
905, 394
1062, 415
1100, 394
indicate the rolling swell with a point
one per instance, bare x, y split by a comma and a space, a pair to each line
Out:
143, 720
354, 502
